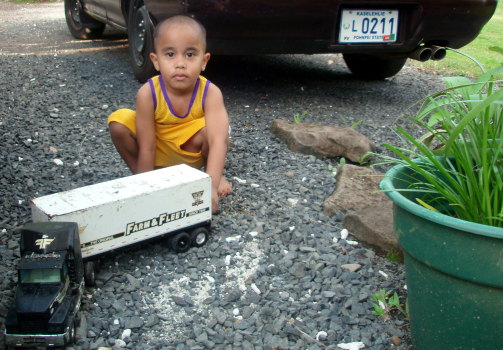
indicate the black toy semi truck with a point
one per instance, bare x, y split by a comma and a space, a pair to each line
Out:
50, 286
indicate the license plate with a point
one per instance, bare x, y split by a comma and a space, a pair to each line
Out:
368, 26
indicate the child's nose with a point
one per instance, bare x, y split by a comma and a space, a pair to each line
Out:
180, 63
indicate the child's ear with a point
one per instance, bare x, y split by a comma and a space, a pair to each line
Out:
153, 58
206, 58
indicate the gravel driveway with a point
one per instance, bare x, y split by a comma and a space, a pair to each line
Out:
271, 277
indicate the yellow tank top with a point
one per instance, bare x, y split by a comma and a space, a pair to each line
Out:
164, 114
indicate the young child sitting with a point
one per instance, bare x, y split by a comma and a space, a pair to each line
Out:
180, 116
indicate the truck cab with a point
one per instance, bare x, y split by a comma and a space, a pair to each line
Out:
50, 286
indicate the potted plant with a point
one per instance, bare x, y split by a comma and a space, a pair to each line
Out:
447, 190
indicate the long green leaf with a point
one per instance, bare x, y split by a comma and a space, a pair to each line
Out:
473, 114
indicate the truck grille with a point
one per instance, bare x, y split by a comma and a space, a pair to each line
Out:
33, 324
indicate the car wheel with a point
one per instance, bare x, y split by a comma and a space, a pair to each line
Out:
180, 242
141, 42
80, 24
373, 67
89, 274
199, 236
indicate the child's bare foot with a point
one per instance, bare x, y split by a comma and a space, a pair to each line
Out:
224, 188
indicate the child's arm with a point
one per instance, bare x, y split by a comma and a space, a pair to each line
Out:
145, 129
217, 128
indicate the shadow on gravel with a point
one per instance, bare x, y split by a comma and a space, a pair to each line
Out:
310, 80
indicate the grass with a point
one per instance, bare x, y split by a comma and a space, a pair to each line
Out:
483, 48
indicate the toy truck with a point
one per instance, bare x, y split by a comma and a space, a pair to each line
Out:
50, 287
72, 229
174, 202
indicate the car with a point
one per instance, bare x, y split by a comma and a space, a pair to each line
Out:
375, 37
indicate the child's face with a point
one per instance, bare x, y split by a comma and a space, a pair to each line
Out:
180, 55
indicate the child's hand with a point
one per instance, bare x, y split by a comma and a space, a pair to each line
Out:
223, 189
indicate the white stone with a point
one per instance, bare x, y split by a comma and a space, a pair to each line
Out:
384, 274
211, 279
120, 343
321, 335
292, 201
351, 346
255, 288
239, 180
126, 333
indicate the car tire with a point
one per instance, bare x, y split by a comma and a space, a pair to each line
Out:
89, 274
80, 24
180, 242
141, 41
199, 236
372, 67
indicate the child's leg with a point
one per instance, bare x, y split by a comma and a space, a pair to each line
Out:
199, 143
121, 125
125, 142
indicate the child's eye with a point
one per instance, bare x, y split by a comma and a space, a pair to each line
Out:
190, 54
170, 54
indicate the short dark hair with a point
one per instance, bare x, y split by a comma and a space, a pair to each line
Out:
180, 19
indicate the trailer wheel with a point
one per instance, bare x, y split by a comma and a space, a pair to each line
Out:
199, 236
180, 242
89, 274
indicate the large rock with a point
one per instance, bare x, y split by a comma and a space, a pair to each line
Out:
366, 214
323, 140
374, 226
355, 188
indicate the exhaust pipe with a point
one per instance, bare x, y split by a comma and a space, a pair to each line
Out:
422, 53
438, 53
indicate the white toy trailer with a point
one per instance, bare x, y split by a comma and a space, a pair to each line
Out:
173, 201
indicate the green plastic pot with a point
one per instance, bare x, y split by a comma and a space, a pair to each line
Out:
454, 271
